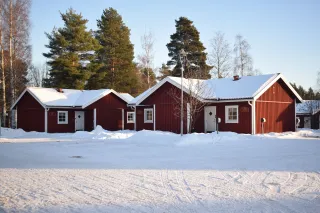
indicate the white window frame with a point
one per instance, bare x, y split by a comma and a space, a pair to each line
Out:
145, 115
62, 122
227, 114
133, 116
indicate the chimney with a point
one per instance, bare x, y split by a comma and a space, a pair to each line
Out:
236, 77
59, 90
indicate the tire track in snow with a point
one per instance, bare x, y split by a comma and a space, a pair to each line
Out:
192, 192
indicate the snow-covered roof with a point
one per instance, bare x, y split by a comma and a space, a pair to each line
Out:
127, 96
50, 97
308, 107
247, 87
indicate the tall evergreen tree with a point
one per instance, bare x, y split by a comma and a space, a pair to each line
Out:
164, 71
113, 65
71, 48
187, 37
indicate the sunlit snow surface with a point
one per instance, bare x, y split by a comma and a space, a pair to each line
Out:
146, 171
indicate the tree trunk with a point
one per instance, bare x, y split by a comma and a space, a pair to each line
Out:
12, 94
3, 80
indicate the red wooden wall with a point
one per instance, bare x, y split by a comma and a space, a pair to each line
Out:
30, 114
109, 111
277, 105
243, 126
166, 119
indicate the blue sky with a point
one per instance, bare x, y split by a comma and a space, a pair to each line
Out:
284, 35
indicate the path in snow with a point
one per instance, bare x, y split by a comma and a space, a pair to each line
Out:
56, 190
159, 172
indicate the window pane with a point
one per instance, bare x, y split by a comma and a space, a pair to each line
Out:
62, 116
130, 116
149, 115
232, 114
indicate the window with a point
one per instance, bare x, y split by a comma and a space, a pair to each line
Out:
62, 117
232, 114
148, 115
130, 117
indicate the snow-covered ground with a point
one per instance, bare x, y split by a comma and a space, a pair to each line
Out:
148, 171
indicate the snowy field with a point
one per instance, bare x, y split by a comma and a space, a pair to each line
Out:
148, 171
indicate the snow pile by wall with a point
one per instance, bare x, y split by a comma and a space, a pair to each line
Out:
155, 137
211, 138
11, 133
101, 134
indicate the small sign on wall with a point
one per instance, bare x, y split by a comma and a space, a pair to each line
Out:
52, 114
244, 109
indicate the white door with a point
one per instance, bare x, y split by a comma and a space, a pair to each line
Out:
210, 118
79, 120
307, 122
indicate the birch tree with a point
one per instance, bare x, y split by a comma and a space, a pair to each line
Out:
242, 60
3, 79
37, 75
220, 56
146, 58
16, 37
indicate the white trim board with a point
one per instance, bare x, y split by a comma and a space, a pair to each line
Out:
255, 96
22, 94
67, 107
103, 95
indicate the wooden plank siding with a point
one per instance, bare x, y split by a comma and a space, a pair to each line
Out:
30, 114
277, 105
243, 126
168, 119
109, 112
166, 113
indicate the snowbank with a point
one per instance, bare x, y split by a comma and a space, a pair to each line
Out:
154, 137
101, 134
210, 138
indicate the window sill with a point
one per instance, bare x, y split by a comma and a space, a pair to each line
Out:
232, 122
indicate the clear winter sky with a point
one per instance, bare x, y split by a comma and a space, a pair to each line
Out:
284, 35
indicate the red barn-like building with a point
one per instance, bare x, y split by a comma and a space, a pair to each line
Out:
67, 110
241, 104
308, 113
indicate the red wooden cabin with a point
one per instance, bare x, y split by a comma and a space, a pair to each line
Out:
66, 110
240, 104
308, 113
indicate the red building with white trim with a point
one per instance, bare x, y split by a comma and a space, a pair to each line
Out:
240, 104
308, 113
66, 110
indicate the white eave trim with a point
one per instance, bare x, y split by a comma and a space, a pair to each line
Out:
261, 91
157, 86
256, 95
22, 94
103, 95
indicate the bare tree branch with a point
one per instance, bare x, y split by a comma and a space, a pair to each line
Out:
146, 58
220, 56
242, 61
195, 90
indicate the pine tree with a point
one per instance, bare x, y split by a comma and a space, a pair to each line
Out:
187, 37
114, 67
71, 49
164, 72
